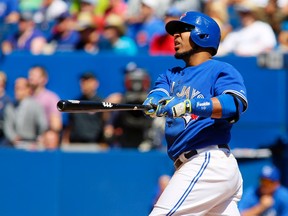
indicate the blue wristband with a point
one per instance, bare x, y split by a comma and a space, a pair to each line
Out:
202, 107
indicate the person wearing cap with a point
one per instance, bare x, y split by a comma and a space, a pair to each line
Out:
64, 36
114, 32
85, 12
252, 38
9, 11
130, 129
28, 37
50, 10
86, 128
268, 198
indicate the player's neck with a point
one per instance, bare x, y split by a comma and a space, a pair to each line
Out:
198, 58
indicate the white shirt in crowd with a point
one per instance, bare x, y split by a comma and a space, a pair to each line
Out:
249, 41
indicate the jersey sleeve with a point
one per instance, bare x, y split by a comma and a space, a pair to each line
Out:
230, 81
162, 84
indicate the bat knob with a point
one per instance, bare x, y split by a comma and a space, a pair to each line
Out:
61, 105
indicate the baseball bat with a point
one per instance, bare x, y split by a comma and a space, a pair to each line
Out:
83, 106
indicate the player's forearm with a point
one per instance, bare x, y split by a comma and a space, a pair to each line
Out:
256, 210
217, 107
224, 106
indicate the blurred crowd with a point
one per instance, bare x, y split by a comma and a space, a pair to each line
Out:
30, 119
136, 26
128, 27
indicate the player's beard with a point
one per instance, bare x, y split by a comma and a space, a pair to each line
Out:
184, 55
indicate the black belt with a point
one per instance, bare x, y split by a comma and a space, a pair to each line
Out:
194, 152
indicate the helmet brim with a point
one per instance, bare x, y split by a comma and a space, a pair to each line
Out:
176, 26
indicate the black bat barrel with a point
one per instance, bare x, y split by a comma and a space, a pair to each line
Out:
92, 106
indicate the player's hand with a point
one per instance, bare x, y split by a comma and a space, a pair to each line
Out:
266, 201
173, 107
153, 101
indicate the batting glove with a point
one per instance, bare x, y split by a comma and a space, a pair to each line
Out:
173, 107
153, 101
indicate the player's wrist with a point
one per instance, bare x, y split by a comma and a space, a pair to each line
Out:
202, 107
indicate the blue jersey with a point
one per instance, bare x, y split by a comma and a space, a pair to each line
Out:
209, 79
280, 207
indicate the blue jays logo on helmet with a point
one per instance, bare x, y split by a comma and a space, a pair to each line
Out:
205, 32
183, 15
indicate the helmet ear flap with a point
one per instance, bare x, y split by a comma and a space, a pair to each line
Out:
203, 39
203, 36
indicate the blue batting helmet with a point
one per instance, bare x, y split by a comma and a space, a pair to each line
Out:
205, 32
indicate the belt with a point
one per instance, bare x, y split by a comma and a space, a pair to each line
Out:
187, 155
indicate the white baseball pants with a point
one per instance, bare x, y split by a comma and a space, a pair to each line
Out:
208, 184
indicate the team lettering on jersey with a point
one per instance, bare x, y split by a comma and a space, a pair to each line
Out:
185, 92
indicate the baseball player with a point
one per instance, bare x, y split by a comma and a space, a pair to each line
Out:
200, 102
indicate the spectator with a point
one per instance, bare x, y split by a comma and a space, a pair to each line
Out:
117, 7
4, 100
91, 39
50, 10
268, 198
272, 12
134, 7
86, 11
29, 5
86, 127
9, 11
38, 79
283, 37
163, 44
49, 140
131, 129
218, 10
25, 119
27, 38
253, 38
146, 25
183, 5
114, 32
64, 36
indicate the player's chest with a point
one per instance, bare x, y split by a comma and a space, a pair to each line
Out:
190, 86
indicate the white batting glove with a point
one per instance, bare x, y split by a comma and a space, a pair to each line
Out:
173, 107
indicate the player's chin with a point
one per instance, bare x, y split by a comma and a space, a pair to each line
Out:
182, 55
178, 53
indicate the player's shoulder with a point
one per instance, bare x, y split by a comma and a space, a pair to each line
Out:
224, 67
220, 63
175, 70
